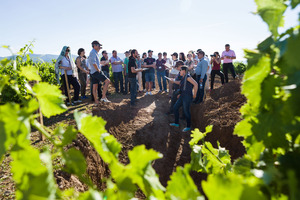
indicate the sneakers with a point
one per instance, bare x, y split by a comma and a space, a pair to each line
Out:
146, 93
78, 101
150, 93
186, 129
105, 100
70, 104
175, 125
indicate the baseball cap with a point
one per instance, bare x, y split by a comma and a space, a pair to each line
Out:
198, 50
96, 42
103, 52
174, 54
150, 51
201, 52
126, 52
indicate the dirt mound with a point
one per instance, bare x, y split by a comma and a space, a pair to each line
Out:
148, 124
221, 109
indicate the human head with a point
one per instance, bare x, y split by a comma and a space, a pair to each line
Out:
227, 47
200, 54
150, 53
193, 53
134, 53
159, 55
179, 64
96, 45
81, 52
114, 53
165, 54
174, 56
183, 70
189, 56
217, 54
182, 56
66, 51
104, 53
144, 55
126, 53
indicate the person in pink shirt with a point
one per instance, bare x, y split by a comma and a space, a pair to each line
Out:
227, 57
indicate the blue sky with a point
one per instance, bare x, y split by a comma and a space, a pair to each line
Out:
159, 25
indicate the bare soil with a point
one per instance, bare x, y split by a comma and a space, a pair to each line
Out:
147, 124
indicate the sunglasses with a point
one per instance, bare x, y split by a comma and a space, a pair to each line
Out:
68, 50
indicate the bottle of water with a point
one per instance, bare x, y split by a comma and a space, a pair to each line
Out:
200, 86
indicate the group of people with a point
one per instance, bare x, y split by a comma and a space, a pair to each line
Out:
187, 76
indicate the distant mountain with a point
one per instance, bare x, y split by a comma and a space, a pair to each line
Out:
49, 57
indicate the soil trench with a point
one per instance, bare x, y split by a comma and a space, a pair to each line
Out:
148, 124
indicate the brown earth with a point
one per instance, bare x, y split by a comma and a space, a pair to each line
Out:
147, 124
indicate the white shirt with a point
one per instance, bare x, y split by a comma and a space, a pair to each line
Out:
66, 63
209, 65
173, 70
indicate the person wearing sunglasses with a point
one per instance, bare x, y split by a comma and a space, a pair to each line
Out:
65, 63
188, 90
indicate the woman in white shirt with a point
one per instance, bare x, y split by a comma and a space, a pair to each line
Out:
65, 63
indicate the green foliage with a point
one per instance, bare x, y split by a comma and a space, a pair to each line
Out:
270, 127
21, 72
206, 158
239, 67
181, 185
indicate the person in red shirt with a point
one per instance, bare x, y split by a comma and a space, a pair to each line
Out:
216, 69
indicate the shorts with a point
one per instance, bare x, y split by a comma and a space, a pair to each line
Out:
149, 77
98, 77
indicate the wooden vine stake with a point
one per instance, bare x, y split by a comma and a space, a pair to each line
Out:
41, 136
68, 89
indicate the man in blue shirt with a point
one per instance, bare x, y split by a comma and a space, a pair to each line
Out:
201, 76
117, 68
96, 72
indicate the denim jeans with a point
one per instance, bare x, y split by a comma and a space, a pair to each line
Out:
185, 101
118, 79
126, 83
200, 92
173, 100
161, 75
133, 90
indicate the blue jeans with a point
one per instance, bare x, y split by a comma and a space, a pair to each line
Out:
161, 75
126, 83
200, 92
118, 78
185, 101
133, 90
